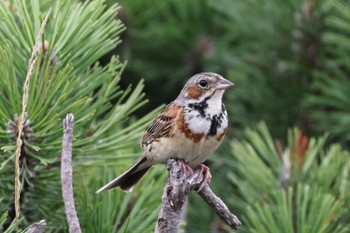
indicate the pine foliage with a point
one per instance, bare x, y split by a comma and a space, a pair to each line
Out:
288, 59
67, 78
330, 97
302, 188
116, 211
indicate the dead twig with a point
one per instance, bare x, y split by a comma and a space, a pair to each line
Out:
66, 175
38, 227
219, 207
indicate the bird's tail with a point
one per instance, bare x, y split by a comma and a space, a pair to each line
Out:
129, 179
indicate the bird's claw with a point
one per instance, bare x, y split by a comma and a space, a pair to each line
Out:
185, 169
200, 178
203, 176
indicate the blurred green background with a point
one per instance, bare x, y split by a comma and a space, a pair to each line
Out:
288, 59
283, 167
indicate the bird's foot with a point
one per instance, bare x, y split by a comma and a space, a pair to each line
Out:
185, 168
200, 178
203, 176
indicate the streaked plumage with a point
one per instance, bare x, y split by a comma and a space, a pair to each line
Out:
190, 128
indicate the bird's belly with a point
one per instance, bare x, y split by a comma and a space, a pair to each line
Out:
194, 153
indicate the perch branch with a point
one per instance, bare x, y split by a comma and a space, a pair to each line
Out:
175, 194
66, 175
173, 200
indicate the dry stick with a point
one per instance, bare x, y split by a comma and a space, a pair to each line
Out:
38, 227
66, 175
219, 207
175, 194
22, 117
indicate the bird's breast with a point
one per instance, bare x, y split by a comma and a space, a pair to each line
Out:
196, 134
198, 121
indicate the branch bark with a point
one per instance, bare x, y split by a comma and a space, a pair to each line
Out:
66, 175
175, 194
38, 227
219, 207
173, 200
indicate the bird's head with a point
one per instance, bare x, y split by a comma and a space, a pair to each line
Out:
204, 86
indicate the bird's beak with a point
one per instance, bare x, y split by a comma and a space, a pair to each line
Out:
224, 84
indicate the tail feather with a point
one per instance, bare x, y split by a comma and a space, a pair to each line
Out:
130, 178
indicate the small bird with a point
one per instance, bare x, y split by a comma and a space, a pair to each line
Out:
190, 128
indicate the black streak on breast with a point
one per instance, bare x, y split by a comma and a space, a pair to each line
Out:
215, 124
200, 107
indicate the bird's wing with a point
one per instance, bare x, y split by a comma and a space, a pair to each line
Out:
162, 126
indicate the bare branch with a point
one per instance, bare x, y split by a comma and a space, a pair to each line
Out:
173, 200
219, 207
175, 194
66, 175
37, 227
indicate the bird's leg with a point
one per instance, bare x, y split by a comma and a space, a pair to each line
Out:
185, 167
189, 169
204, 170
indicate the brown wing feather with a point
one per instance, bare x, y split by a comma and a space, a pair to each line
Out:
162, 125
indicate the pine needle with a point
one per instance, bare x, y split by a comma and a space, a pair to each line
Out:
31, 64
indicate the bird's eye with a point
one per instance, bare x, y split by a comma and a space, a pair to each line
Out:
203, 83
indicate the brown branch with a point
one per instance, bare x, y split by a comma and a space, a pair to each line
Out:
175, 194
66, 175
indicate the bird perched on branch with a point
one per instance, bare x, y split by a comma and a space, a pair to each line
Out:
190, 129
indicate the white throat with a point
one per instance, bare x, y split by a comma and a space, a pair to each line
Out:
215, 103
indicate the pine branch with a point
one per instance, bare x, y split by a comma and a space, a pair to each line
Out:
175, 194
66, 175
67, 77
